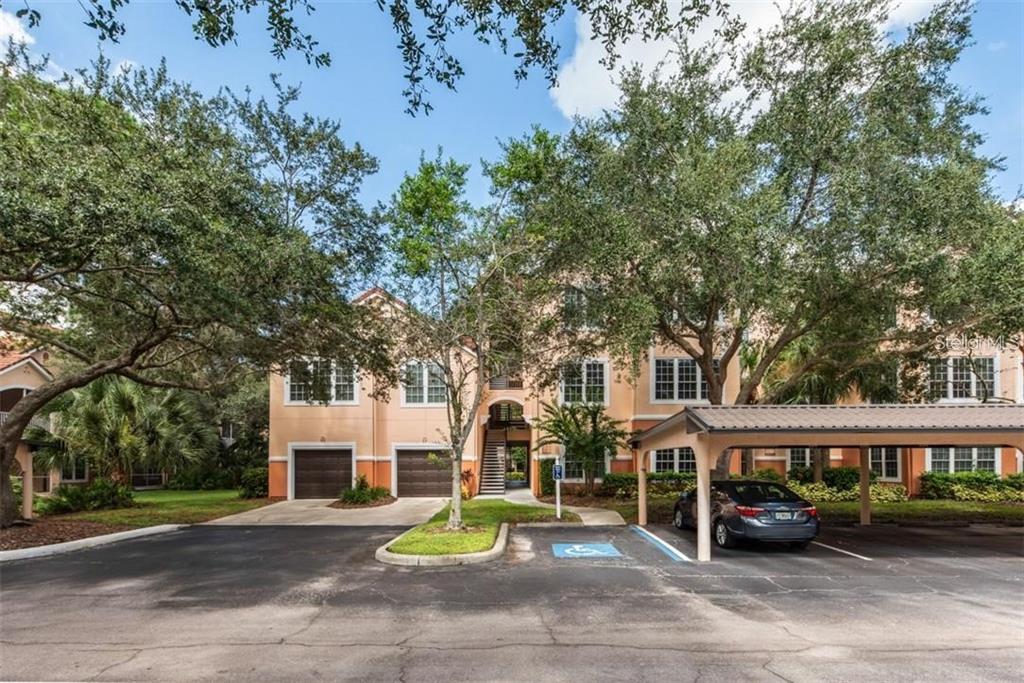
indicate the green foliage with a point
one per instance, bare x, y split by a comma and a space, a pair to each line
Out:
362, 493
547, 481
766, 474
16, 487
515, 476
118, 425
880, 493
585, 432
99, 494
254, 483
200, 479
843, 478
425, 32
800, 474
625, 484
972, 486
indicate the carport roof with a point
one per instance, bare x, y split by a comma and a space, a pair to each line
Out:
831, 418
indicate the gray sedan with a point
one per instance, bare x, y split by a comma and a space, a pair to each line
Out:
751, 509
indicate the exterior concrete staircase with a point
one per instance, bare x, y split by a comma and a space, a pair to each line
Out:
492, 473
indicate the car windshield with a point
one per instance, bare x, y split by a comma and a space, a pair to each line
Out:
765, 492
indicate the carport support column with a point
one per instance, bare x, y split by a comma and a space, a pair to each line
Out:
703, 502
865, 485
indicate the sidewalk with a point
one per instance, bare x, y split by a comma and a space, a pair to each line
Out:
589, 516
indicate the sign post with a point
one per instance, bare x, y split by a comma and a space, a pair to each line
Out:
556, 474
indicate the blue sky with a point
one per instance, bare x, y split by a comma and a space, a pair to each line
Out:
363, 87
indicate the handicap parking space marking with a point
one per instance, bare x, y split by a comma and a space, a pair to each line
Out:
661, 544
584, 550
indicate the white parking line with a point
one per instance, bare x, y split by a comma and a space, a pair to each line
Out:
662, 545
845, 552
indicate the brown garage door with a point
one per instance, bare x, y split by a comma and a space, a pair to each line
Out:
418, 476
322, 473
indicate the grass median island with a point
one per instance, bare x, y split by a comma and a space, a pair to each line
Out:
928, 511
482, 519
172, 507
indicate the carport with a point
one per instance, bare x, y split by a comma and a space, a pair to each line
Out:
712, 430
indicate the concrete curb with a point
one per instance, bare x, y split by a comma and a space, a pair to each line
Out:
496, 551
83, 543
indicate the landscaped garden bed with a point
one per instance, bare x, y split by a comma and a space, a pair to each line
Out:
362, 495
482, 520
49, 530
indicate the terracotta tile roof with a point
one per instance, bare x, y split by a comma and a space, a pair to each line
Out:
862, 418
9, 357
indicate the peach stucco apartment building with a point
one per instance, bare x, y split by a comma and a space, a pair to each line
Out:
318, 449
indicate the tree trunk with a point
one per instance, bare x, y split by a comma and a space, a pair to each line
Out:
7, 501
455, 513
819, 463
721, 468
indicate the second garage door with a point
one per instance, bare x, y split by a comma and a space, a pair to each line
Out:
322, 473
419, 475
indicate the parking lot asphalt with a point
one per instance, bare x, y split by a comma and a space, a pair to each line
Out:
303, 603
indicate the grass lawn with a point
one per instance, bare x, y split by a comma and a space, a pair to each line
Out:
172, 507
482, 519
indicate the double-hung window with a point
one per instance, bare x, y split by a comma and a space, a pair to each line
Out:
798, 457
885, 462
574, 467
585, 382
962, 459
675, 460
322, 380
961, 378
679, 379
75, 470
423, 384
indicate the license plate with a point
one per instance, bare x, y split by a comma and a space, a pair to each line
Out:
783, 515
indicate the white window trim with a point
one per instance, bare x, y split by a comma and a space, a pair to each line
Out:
948, 398
675, 382
607, 381
974, 459
77, 480
608, 457
315, 445
426, 403
899, 465
357, 389
676, 452
789, 457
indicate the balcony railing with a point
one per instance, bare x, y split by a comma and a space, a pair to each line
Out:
506, 382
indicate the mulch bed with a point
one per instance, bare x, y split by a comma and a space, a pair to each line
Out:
46, 531
374, 504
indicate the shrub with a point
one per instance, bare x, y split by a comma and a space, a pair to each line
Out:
822, 493
201, 479
99, 494
547, 483
16, 487
254, 482
765, 474
844, 478
362, 493
801, 474
515, 476
624, 484
971, 486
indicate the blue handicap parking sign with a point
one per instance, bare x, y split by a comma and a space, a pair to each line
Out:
591, 550
556, 472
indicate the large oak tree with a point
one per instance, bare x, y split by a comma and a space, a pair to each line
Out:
144, 236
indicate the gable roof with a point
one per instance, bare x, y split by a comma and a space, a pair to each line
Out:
9, 360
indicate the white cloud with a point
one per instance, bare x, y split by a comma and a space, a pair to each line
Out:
586, 88
11, 27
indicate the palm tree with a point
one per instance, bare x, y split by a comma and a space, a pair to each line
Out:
118, 425
585, 432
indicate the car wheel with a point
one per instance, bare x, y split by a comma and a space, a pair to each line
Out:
799, 545
677, 519
723, 537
